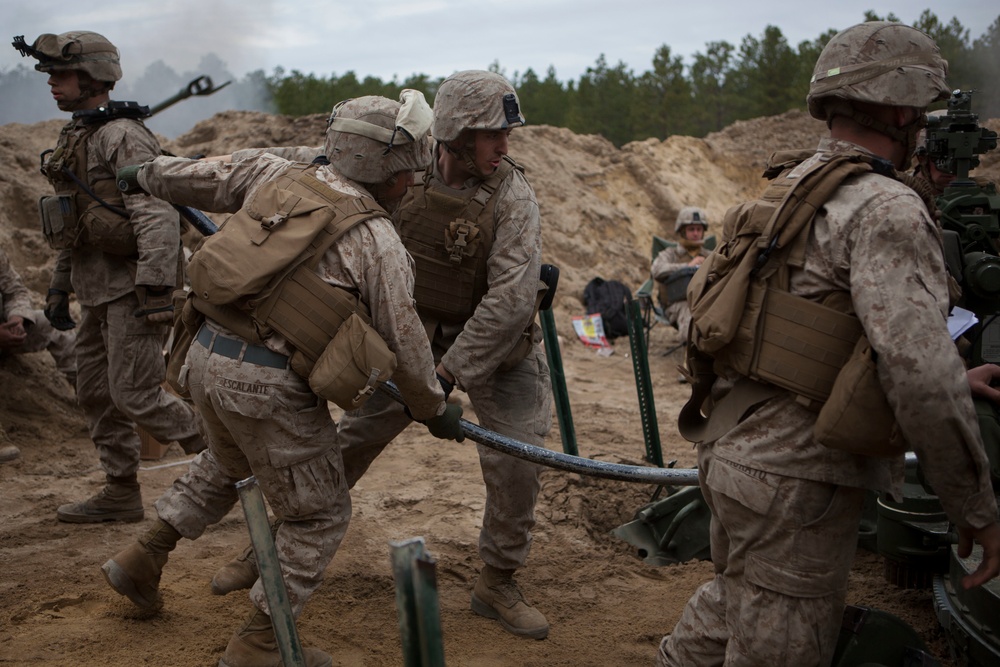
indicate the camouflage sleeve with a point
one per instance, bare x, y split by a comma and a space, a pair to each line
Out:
219, 187
668, 261
16, 299
292, 153
388, 289
513, 270
61, 272
155, 222
898, 285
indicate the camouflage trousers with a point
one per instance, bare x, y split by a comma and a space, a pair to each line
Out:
264, 422
120, 373
515, 403
782, 548
679, 315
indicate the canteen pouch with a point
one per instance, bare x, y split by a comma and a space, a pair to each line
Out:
351, 365
856, 418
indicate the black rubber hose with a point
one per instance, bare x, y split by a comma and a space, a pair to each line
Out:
560, 461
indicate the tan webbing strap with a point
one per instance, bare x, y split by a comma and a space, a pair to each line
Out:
731, 409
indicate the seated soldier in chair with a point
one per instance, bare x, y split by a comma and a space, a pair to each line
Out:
673, 267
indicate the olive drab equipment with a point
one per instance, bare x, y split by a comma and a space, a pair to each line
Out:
80, 212
257, 276
744, 318
450, 233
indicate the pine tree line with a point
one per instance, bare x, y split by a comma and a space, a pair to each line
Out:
762, 76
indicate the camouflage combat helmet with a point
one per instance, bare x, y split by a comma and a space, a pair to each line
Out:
79, 50
878, 62
690, 215
474, 100
371, 138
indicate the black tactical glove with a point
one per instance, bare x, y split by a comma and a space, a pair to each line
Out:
446, 386
447, 425
128, 180
156, 304
57, 310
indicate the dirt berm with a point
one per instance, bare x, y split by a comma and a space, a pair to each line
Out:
600, 207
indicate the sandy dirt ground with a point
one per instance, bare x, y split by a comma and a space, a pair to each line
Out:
600, 207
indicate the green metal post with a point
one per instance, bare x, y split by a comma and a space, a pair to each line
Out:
644, 385
414, 572
559, 391
282, 620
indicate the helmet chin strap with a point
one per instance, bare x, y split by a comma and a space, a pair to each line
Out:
465, 156
906, 135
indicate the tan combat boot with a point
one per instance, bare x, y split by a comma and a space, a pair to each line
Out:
119, 500
255, 645
135, 570
241, 572
237, 574
496, 595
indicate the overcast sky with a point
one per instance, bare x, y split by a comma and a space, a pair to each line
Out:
396, 38
437, 37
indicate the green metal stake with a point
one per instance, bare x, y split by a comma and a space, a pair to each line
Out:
559, 391
289, 646
414, 572
644, 385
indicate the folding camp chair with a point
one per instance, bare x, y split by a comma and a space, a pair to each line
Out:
652, 312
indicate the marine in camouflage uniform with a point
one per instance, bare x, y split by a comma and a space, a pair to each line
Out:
490, 351
785, 509
23, 329
261, 416
688, 253
119, 344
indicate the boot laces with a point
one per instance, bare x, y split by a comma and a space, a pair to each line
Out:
508, 589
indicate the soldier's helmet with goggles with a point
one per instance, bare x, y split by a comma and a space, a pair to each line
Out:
690, 215
79, 50
474, 100
369, 139
878, 62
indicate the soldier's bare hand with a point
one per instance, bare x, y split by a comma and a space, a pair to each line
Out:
981, 379
12, 333
989, 567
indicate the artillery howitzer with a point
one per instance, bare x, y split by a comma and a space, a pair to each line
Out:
198, 87
914, 535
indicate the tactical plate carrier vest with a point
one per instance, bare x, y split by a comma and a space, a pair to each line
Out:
80, 212
450, 233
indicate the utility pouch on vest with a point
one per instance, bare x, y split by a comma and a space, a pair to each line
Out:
60, 224
354, 361
857, 417
110, 232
